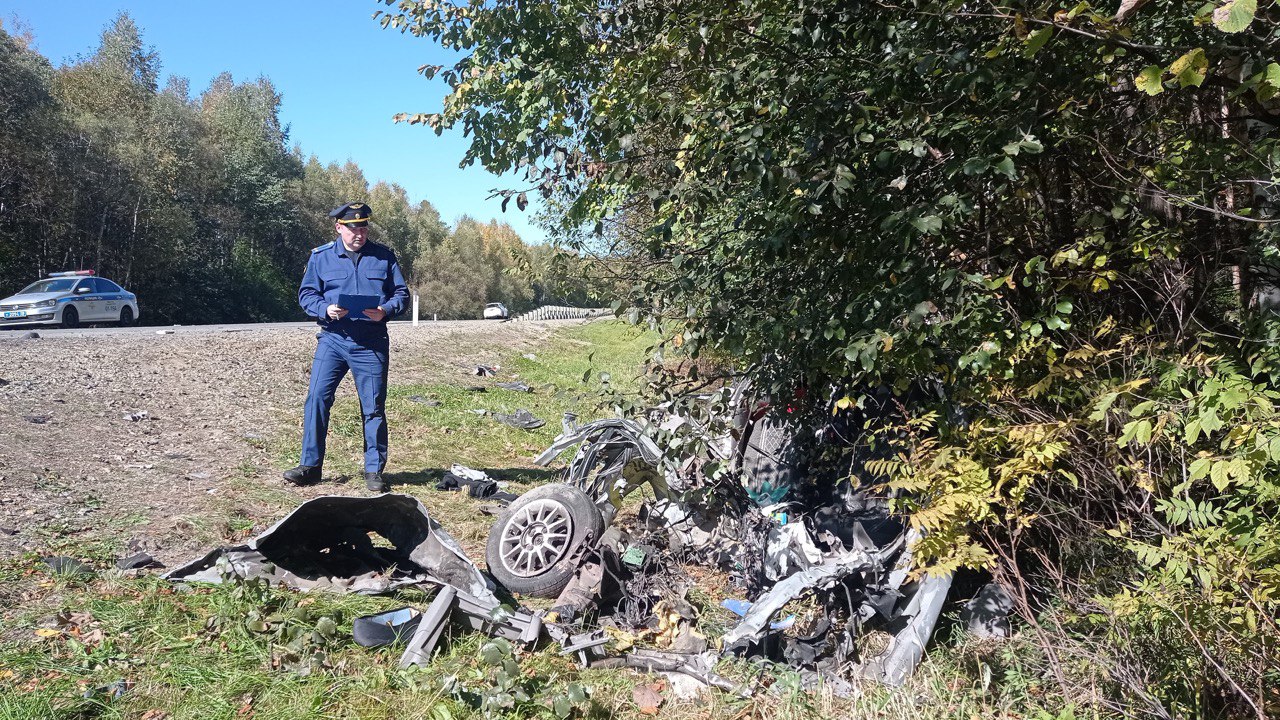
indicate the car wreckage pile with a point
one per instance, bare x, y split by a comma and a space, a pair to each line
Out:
843, 565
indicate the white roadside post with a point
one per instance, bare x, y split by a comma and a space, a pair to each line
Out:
415, 309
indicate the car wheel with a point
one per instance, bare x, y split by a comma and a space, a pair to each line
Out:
533, 549
71, 317
126, 316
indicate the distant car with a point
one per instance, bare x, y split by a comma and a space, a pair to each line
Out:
69, 299
496, 311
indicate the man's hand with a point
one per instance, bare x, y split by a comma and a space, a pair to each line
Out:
337, 313
375, 314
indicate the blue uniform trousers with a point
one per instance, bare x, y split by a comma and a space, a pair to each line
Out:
367, 359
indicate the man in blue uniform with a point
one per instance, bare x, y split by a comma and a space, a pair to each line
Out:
354, 269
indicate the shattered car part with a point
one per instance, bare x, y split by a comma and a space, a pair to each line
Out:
430, 628
325, 543
588, 646
896, 664
844, 546
469, 613
986, 614
522, 419
755, 624
699, 667
385, 628
138, 561
63, 565
581, 591
607, 448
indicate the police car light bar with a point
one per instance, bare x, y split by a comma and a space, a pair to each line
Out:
71, 273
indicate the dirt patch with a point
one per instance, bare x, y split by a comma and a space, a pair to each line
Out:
105, 438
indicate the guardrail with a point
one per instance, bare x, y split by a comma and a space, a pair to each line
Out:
560, 312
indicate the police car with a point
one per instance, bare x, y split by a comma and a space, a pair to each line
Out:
69, 299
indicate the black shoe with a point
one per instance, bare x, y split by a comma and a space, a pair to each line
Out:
375, 482
303, 475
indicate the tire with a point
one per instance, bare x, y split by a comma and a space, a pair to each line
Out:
126, 316
70, 317
534, 547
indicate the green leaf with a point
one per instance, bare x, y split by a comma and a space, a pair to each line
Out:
976, 166
1235, 15
1269, 82
1006, 166
1200, 467
1143, 432
1191, 68
1104, 404
1148, 81
491, 654
1130, 429
1141, 408
1192, 433
1036, 40
930, 224
1218, 475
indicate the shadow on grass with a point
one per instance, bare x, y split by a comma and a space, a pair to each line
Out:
428, 477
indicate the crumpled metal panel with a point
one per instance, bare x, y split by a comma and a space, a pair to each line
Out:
328, 543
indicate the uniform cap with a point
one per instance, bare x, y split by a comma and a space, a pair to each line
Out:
352, 214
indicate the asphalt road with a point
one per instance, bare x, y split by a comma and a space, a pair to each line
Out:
14, 333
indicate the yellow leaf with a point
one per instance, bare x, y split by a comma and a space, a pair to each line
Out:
47, 632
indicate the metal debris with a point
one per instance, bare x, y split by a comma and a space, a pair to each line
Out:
469, 613
62, 565
986, 615
521, 418
386, 628
138, 561
325, 544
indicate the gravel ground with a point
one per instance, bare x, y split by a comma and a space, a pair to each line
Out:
142, 436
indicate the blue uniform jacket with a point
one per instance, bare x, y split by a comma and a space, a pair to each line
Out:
330, 273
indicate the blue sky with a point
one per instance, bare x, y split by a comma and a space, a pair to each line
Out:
314, 52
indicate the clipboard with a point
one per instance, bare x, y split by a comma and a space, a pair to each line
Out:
356, 304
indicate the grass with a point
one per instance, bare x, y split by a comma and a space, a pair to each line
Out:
246, 651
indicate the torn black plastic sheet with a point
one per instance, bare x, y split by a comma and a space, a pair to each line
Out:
327, 543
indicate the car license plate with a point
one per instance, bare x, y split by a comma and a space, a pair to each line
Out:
16, 314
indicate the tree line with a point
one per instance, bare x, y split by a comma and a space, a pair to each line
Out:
199, 205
